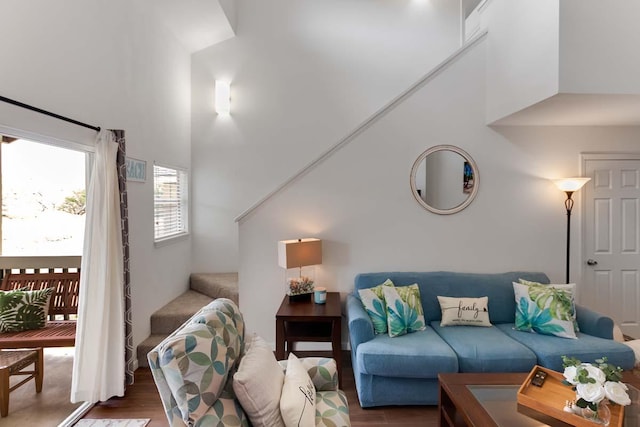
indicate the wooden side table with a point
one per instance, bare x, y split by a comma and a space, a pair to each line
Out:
14, 362
311, 322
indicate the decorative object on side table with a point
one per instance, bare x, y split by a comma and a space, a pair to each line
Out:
320, 295
298, 254
595, 386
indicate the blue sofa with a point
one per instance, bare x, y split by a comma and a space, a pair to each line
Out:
404, 370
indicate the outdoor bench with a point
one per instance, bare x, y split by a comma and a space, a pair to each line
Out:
60, 328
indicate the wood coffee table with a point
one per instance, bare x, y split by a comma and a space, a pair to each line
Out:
468, 400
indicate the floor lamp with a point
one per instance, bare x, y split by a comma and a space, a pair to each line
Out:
569, 186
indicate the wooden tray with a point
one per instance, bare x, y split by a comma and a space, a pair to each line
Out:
551, 397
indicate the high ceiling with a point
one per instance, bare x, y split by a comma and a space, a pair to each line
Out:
197, 24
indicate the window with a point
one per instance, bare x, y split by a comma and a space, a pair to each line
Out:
43, 199
170, 201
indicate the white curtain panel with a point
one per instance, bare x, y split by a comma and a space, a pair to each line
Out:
98, 366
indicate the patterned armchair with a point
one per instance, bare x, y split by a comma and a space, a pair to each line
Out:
193, 370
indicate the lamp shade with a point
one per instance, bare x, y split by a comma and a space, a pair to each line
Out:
299, 253
571, 184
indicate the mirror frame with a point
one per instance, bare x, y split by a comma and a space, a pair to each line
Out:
467, 158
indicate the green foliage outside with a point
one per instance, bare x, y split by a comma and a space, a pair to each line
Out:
75, 204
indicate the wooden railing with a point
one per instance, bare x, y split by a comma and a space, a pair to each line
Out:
40, 264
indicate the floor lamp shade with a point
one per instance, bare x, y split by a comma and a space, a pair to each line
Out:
299, 253
571, 184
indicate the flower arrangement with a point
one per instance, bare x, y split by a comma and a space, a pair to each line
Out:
300, 285
595, 383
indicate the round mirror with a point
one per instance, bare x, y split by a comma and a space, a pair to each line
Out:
444, 179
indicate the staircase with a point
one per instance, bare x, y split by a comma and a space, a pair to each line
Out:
204, 288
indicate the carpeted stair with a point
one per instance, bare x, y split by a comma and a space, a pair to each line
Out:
204, 288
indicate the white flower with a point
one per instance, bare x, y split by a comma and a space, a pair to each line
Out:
617, 392
570, 373
591, 392
595, 373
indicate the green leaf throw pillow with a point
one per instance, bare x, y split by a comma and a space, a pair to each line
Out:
564, 293
543, 311
404, 309
374, 303
23, 310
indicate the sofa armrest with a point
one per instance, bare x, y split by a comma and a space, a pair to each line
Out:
360, 325
323, 371
593, 323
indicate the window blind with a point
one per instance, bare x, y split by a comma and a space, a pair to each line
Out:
170, 202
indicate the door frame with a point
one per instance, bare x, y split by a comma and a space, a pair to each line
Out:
584, 157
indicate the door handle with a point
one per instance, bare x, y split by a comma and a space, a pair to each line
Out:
592, 262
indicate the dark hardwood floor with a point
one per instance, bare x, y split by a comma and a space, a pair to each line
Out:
143, 401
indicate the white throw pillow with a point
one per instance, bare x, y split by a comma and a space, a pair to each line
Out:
635, 346
298, 400
258, 384
464, 311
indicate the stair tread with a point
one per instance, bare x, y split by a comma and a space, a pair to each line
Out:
146, 346
216, 285
176, 312
153, 340
204, 288
189, 302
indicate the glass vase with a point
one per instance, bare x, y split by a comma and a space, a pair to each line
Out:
602, 415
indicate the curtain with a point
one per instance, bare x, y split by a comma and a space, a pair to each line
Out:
129, 355
99, 363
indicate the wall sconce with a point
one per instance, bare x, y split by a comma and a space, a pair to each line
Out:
570, 186
297, 254
223, 97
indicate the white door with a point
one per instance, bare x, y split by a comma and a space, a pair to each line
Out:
611, 264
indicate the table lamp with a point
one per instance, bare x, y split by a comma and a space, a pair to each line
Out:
297, 254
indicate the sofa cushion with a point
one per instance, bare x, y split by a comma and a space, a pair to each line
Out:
464, 311
486, 350
194, 364
224, 318
298, 399
226, 411
498, 287
544, 311
423, 354
374, 303
404, 310
258, 384
549, 349
332, 409
197, 358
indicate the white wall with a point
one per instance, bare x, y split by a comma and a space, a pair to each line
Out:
108, 65
522, 54
359, 201
599, 47
304, 73
539, 49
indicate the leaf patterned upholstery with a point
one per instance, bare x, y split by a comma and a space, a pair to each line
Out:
194, 366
